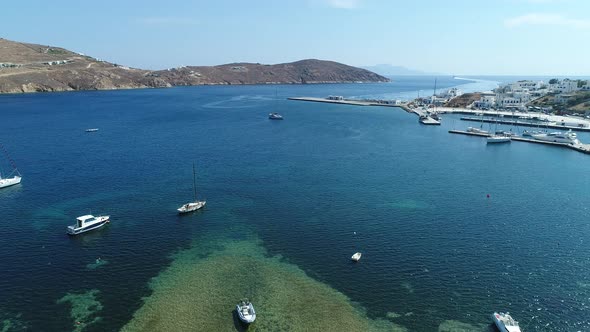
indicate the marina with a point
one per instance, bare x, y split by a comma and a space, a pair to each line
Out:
552, 125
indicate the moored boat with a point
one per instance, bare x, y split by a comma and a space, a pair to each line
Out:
568, 137
192, 206
14, 177
87, 223
505, 323
275, 116
7, 182
477, 130
246, 311
498, 139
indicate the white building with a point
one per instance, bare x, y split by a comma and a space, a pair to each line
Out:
565, 86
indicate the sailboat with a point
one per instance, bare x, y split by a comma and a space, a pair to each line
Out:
192, 206
498, 137
14, 177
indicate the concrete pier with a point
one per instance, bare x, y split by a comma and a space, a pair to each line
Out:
526, 123
584, 148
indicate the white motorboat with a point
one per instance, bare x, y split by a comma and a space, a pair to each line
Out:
568, 137
498, 139
356, 257
505, 323
192, 206
14, 177
246, 311
477, 130
87, 223
91, 130
275, 116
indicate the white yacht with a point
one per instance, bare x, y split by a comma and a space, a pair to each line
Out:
192, 206
568, 137
87, 223
275, 116
356, 257
246, 311
498, 139
530, 133
7, 182
15, 178
505, 323
476, 130
91, 130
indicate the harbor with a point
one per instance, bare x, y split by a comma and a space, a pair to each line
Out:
427, 116
580, 147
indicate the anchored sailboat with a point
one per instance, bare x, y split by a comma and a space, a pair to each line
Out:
192, 206
14, 177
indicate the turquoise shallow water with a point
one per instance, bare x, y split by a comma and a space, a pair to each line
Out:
327, 181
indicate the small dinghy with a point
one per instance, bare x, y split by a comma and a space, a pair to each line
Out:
246, 311
356, 257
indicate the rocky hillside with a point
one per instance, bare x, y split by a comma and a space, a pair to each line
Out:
31, 67
300, 72
463, 100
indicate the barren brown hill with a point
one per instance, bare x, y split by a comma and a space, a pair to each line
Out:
300, 72
31, 67
464, 100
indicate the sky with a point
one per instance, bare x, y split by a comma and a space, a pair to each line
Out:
458, 37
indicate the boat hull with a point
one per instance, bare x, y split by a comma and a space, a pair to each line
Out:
190, 207
75, 231
246, 313
498, 139
9, 181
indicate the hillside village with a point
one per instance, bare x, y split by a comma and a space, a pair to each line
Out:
556, 96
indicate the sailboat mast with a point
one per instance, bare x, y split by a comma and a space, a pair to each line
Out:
194, 182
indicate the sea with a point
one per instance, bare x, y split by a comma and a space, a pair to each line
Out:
450, 229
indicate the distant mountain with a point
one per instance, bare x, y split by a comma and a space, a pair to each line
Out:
31, 67
390, 70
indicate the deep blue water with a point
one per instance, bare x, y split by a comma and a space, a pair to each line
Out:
433, 244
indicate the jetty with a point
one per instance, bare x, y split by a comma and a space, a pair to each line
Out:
553, 125
584, 148
355, 102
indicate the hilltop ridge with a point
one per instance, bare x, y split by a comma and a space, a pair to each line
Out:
28, 67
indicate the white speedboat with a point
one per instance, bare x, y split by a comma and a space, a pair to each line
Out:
356, 257
498, 139
505, 323
90, 130
476, 130
87, 223
192, 206
7, 182
568, 137
246, 311
275, 116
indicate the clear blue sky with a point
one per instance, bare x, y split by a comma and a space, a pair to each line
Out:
498, 37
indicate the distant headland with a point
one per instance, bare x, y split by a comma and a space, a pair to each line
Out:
38, 68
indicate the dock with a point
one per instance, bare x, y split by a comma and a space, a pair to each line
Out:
584, 148
352, 102
552, 125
